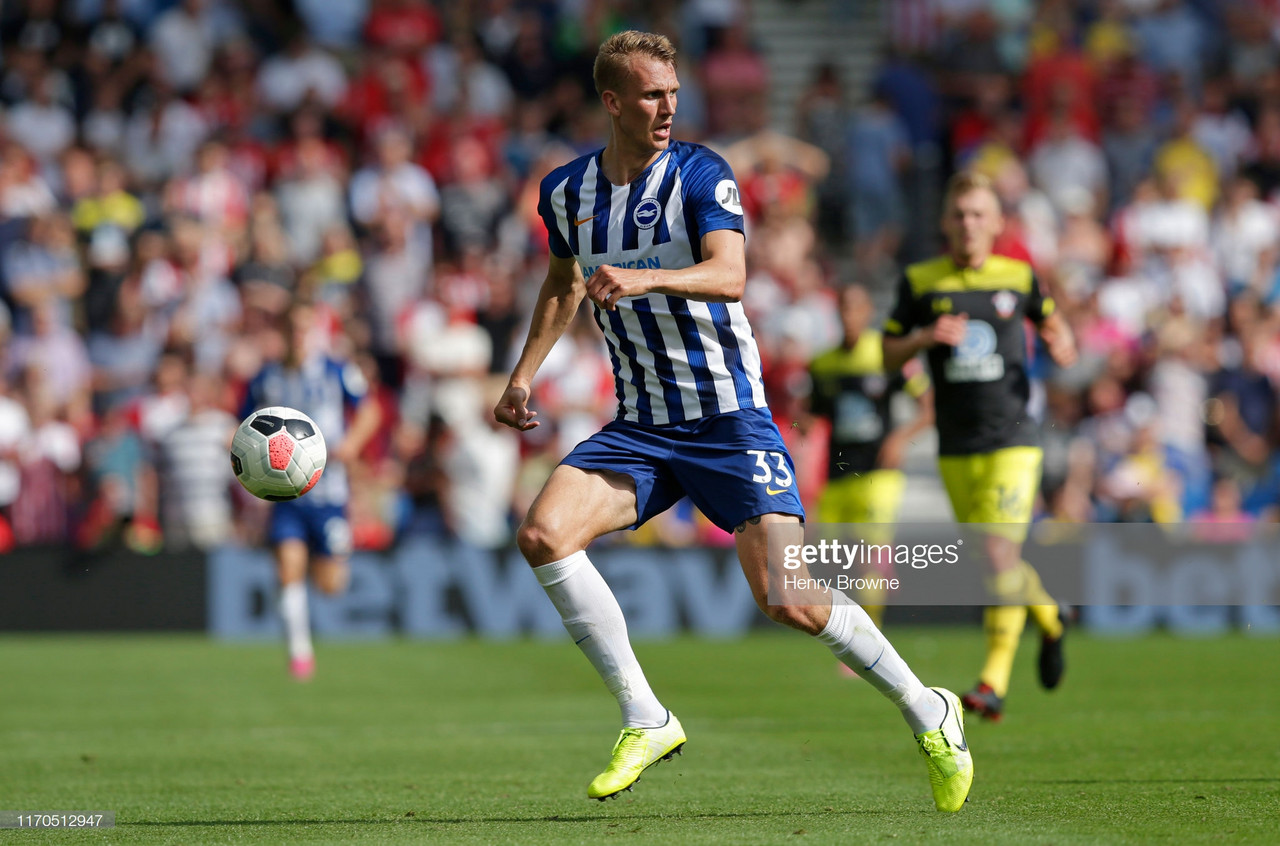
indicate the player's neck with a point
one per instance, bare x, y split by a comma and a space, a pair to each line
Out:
972, 262
622, 165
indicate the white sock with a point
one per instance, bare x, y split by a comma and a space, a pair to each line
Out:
293, 609
594, 620
857, 642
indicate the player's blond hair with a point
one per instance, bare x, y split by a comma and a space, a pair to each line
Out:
614, 59
966, 182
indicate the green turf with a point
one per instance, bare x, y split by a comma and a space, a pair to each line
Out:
1155, 740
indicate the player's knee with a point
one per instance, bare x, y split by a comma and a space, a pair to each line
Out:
793, 616
542, 541
332, 580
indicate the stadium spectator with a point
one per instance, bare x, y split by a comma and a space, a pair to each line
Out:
192, 474
311, 198
214, 126
44, 268
43, 125
48, 457
301, 73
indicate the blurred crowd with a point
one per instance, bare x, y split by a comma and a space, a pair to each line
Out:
173, 174
1135, 145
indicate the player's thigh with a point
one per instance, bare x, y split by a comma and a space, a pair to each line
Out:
1003, 499
736, 467
291, 560
328, 530
879, 496
575, 507
838, 501
1006, 491
959, 474
287, 534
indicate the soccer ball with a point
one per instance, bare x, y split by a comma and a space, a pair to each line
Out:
278, 453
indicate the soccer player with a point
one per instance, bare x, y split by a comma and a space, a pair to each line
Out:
651, 230
966, 312
851, 389
311, 534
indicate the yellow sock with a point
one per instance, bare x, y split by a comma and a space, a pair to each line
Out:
1041, 606
1003, 625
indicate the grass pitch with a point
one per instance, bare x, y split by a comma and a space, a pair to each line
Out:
1153, 740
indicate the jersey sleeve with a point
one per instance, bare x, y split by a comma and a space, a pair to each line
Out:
555, 240
1038, 305
711, 194
901, 319
354, 386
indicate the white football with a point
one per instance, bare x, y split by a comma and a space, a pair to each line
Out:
278, 453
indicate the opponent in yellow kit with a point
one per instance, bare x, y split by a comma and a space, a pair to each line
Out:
851, 389
967, 312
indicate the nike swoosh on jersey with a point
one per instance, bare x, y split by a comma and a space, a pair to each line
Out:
584, 220
772, 492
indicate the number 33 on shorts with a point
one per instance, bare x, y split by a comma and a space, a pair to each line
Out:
777, 478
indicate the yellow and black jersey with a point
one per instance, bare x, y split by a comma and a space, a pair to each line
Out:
851, 389
982, 385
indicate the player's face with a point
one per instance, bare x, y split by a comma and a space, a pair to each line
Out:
299, 326
971, 222
645, 105
855, 311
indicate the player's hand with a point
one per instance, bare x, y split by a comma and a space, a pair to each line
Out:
891, 451
610, 284
513, 409
1060, 343
949, 329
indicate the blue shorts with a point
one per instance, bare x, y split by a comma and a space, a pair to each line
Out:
324, 528
732, 466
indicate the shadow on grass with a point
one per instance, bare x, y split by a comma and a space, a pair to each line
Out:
1149, 780
552, 818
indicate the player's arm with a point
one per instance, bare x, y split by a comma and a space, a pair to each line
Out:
562, 291
364, 425
1058, 339
1051, 325
720, 277
902, 339
947, 329
895, 445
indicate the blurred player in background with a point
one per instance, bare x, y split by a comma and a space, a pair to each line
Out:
852, 391
651, 231
311, 533
966, 311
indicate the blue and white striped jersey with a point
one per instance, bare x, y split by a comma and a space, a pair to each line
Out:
322, 389
674, 359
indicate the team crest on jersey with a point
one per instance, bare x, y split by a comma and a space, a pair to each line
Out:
1005, 303
647, 214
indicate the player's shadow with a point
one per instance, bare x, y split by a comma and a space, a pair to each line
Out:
1188, 780
531, 818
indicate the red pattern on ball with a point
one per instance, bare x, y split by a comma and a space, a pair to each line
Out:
315, 477
281, 450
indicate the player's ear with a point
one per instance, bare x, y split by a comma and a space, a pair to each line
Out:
611, 103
